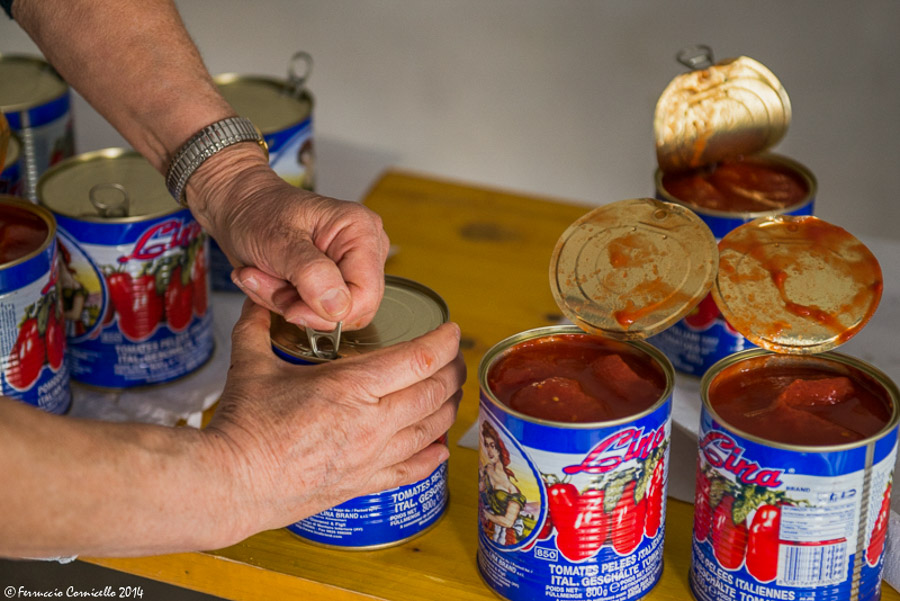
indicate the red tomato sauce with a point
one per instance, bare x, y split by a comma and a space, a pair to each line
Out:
800, 400
576, 378
21, 233
739, 185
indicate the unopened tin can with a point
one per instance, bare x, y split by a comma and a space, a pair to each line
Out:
134, 271
712, 125
282, 110
574, 421
32, 329
391, 517
797, 444
37, 104
11, 172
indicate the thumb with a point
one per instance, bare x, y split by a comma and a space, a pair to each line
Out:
250, 337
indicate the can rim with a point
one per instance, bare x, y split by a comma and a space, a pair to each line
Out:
87, 157
879, 376
40, 62
504, 345
44, 214
801, 170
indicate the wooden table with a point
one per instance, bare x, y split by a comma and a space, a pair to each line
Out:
486, 252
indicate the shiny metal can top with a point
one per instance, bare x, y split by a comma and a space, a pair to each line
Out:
733, 107
630, 269
28, 81
110, 185
272, 104
21, 209
407, 311
796, 284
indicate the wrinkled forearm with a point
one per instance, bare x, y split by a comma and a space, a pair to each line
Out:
80, 487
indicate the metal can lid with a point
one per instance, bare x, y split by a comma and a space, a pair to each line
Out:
111, 185
630, 269
734, 107
27, 82
407, 310
271, 104
796, 284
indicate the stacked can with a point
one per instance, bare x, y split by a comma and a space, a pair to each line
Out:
574, 421
388, 518
11, 170
36, 102
797, 444
32, 334
134, 271
712, 126
282, 110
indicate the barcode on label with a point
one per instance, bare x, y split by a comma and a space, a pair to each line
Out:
812, 565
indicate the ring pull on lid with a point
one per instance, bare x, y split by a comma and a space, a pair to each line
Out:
630, 269
332, 341
796, 284
110, 200
696, 57
297, 80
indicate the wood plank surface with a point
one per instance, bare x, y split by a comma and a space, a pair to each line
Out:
486, 252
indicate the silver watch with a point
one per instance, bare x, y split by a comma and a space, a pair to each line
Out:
204, 144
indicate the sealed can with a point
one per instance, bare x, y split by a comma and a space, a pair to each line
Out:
712, 126
575, 421
797, 444
282, 110
134, 271
32, 329
391, 517
37, 104
11, 169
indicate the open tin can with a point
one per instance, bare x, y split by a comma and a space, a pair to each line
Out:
797, 444
713, 127
574, 421
391, 517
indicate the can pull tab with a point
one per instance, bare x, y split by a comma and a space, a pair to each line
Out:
110, 200
696, 57
297, 80
332, 341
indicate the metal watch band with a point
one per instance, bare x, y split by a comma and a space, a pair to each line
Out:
204, 144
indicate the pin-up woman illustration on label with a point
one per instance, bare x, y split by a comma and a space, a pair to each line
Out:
501, 501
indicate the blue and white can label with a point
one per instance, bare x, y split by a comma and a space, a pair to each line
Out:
590, 498
703, 337
11, 182
136, 294
33, 368
773, 523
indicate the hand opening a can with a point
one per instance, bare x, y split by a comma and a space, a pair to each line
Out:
304, 438
313, 259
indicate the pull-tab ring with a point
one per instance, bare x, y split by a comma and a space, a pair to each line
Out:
110, 200
696, 57
297, 80
333, 340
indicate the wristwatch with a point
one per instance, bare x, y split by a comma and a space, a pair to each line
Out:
204, 144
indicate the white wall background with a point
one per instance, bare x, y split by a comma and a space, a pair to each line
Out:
555, 97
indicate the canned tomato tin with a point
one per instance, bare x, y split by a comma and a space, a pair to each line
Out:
711, 126
32, 330
797, 445
574, 421
135, 274
282, 110
11, 172
36, 102
385, 519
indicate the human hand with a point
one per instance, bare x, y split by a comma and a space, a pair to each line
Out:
304, 438
313, 259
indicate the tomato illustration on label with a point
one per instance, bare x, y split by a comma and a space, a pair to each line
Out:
55, 340
628, 520
762, 543
27, 356
729, 539
179, 303
702, 511
879, 530
137, 304
589, 528
655, 494
704, 314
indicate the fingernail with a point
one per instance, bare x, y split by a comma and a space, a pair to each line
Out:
250, 283
336, 302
